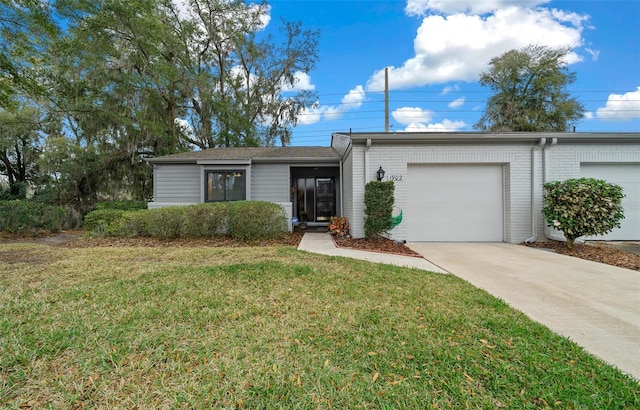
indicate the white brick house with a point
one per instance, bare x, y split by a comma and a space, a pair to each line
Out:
449, 186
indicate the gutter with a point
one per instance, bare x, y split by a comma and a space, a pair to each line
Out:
534, 188
485, 137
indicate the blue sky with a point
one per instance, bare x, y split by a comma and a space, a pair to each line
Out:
436, 49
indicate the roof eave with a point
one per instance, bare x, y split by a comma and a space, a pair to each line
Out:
297, 159
460, 138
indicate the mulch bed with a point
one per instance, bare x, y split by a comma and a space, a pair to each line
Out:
594, 252
381, 245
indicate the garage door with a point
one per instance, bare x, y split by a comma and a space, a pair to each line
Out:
628, 177
455, 203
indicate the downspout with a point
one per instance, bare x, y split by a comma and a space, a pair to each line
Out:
341, 213
366, 161
547, 229
534, 191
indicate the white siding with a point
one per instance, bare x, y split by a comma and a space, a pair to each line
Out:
356, 222
270, 182
347, 187
177, 183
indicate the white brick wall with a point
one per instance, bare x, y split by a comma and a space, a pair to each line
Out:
562, 162
564, 159
517, 181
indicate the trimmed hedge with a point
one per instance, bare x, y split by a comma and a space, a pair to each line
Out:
27, 216
98, 221
122, 205
244, 220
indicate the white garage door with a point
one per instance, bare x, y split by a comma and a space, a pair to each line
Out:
628, 177
455, 203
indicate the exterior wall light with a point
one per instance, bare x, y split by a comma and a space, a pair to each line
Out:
380, 173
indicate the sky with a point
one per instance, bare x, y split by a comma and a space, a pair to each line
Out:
435, 51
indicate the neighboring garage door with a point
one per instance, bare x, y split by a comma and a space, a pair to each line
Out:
455, 203
628, 177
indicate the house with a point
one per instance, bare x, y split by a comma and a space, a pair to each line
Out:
448, 186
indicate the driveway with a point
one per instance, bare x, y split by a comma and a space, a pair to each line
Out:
595, 305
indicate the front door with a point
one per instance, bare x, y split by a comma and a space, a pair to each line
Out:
315, 198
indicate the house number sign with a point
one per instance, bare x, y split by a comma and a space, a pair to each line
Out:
394, 178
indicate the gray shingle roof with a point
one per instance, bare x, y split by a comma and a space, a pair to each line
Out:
253, 153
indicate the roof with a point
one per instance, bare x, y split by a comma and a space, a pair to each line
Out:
488, 137
253, 154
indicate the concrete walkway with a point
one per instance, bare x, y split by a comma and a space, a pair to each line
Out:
593, 304
322, 243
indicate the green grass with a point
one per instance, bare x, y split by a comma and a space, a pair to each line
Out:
264, 328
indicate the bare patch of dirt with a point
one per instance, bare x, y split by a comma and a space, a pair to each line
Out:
597, 252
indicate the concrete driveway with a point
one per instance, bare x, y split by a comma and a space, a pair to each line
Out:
595, 305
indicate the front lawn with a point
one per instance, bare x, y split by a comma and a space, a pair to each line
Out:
272, 327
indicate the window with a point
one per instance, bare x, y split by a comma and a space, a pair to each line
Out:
225, 186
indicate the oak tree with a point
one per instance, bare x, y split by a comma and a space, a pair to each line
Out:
531, 94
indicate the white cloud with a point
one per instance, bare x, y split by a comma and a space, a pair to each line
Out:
620, 107
420, 7
351, 101
302, 82
355, 98
311, 115
459, 47
448, 89
417, 119
595, 54
412, 115
444, 126
458, 102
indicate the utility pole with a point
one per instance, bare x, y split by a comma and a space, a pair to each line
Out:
386, 99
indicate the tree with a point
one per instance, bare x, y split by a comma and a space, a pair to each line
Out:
21, 129
240, 81
26, 26
124, 80
530, 92
584, 206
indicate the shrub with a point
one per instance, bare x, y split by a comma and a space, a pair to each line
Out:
163, 223
205, 220
122, 205
254, 220
378, 201
98, 221
244, 220
17, 190
130, 224
583, 206
26, 216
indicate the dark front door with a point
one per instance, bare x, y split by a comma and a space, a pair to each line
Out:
315, 197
